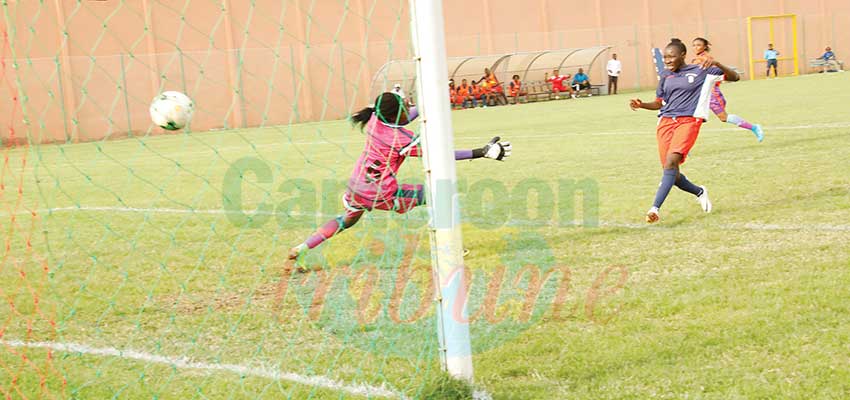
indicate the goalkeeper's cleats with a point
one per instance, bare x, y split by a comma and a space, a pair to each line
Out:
652, 215
758, 132
497, 150
704, 201
297, 251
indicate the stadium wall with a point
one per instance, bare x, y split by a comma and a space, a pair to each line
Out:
86, 70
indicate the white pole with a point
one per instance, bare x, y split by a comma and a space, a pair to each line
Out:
429, 42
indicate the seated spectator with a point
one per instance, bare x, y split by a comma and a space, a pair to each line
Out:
453, 98
464, 94
492, 84
830, 62
516, 89
582, 82
477, 94
557, 81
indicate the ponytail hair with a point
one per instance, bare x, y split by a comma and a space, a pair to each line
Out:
677, 43
362, 117
388, 107
705, 43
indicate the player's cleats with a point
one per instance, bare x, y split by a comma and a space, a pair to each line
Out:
297, 251
704, 201
497, 150
652, 215
758, 132
465, 252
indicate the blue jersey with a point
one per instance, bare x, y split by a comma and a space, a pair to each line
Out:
580, 78
687, 92
770, 54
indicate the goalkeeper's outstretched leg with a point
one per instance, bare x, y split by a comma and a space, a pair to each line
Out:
373, 183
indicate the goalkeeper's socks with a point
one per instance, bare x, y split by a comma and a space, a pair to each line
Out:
688, 186
323, 233
739, 122
667, 182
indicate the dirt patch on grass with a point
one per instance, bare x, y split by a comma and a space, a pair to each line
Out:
261, 297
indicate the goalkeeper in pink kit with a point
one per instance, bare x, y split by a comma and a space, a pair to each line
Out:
373, 184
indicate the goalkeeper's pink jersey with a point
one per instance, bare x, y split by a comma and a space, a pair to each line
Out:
387, 146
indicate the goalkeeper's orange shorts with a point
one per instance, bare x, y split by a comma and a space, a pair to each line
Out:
677, 135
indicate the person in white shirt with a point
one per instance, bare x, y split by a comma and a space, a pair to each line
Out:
398, 90
614, 69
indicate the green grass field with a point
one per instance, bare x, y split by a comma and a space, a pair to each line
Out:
131, 251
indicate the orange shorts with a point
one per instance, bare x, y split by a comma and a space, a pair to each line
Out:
677, 136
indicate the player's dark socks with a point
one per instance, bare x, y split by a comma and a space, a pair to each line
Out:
667, 182
688, 186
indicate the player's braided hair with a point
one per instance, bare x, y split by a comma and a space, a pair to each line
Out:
677, 43
705, 43
388, 107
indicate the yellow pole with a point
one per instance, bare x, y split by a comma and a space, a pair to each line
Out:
796, 53
773, 41
750, 47
771, 31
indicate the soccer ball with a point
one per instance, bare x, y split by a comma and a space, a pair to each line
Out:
172, 110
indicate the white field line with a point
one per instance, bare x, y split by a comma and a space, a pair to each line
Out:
186, 363
830, 125
768, 129
462, 139
752, 226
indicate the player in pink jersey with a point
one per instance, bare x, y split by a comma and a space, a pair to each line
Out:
373, 183
718, 103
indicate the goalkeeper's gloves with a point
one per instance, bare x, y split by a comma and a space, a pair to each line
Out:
496, 150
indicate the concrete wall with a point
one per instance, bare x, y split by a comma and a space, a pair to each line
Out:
85, 70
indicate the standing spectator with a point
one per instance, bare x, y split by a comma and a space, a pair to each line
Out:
582, 82
398, 90
829, 60
614, 68
516, 89
557, 81
771, 56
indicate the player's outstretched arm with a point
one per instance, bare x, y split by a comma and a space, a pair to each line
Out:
637, 103
494, 149
728, 73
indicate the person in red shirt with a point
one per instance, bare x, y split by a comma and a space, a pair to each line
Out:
558, 86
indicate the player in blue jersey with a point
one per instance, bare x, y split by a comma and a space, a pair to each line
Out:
683, 98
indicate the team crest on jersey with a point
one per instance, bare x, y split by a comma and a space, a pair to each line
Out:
691, 77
